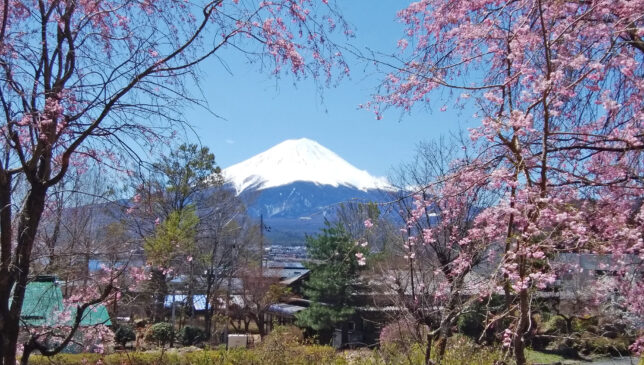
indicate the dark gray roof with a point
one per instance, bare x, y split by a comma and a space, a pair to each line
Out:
285, 309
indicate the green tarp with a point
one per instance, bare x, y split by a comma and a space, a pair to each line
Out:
43, 306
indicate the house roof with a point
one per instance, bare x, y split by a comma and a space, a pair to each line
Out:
285, 309
198, 301
284, 273
293, 279
42, 301
43, 306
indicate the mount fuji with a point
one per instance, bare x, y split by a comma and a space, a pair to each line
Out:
298, 160
298, 183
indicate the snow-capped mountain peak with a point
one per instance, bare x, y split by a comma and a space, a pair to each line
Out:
299, 160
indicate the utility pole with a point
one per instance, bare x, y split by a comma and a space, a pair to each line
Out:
229, 290
173, 316
261, 245
262, 227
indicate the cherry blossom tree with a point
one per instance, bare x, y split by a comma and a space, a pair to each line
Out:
441, 245
82, 259
258, 294
558, 90
89, 80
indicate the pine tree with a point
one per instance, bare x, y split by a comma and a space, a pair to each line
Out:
333, 281
173, 239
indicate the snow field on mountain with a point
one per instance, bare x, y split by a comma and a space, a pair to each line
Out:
299, 160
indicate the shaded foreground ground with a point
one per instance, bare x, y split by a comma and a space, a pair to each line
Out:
617, 361
307, 354
285, 347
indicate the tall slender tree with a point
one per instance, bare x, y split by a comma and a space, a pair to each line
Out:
173, 239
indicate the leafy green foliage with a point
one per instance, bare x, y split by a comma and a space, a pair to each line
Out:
160, 333
333, 280
555, 325
191, 335
187, 170
173, 236
124, 334
588, 336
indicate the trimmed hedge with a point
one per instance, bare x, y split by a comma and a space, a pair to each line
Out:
160, 333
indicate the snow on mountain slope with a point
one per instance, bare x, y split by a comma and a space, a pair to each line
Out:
299, 160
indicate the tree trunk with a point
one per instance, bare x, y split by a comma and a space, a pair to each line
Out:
210, 281
261, 326
159, 290
26, 353
441, 347
568, 324
345, 335
428, 350
18, 274
208, 311
522, 327
190, 302
5, 281
447, 320
208, 321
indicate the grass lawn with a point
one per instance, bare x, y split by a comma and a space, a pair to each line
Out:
542, 357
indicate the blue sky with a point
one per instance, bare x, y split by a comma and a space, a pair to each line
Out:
256, 111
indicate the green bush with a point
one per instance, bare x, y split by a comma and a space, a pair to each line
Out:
191, 335
316, 354
124, 334
160, 333
604, 346
280, 344
471, 324
472, 321
556, 324
460, 350
403, 332
290, 335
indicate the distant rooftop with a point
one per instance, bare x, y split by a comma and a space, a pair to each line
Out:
43, 306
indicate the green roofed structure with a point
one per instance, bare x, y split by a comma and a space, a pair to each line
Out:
43, 306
